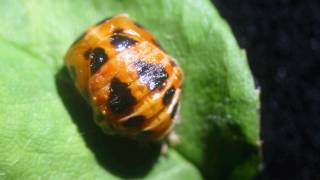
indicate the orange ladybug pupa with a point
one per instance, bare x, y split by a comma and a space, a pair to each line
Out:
133, 86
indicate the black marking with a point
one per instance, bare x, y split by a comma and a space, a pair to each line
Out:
122, 42
134, 121
174, 110
144, 135
103, 20
97, 58
79, 38
118, 31
168, 95
87, 53
154, 75
120, 98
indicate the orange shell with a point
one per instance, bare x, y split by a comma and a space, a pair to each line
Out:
132, 85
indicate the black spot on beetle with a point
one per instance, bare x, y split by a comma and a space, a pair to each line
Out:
121, 42
118, 31
153, 75
174, 110
168, 95
86, 54
120, 98
134, 121
79, 38
97, 58
103, 20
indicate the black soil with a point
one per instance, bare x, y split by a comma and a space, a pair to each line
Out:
282, 39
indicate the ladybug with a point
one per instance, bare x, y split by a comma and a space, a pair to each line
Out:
132, 85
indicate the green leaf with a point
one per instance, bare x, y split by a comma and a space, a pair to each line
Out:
47, 130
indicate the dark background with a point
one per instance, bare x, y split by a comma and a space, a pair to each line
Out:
282, 39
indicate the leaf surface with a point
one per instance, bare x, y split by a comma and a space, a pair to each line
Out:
47, 129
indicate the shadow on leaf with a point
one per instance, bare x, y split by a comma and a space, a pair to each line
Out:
120, 156
229, 155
